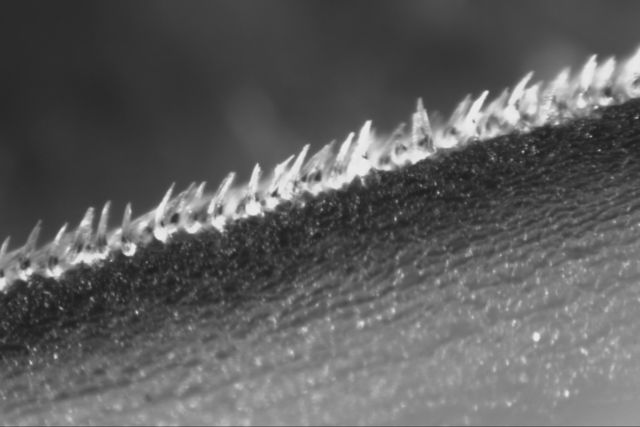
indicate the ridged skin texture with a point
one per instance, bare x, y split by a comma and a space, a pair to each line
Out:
494, 284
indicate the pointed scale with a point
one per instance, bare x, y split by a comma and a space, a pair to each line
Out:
421, 132
291, 183
469, 126
215, 210
278, 182
359, 164
82, 239
585, 80
460, 112
603, 82
512, 111
339, 173
629, 78
250, 205
519, 88
56, 253
27, 252
398, 147
180, 210
336, 177
280, 174
491, 121
159, 226
4, 248
128, 245
530, 105
588, 73
316, 171
30, 245
100, 244
553, 97
194, 218
3, 263
450, 135
60, 235
185, 197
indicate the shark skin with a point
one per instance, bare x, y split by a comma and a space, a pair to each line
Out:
482, 272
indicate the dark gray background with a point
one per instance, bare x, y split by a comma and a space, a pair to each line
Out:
115, 100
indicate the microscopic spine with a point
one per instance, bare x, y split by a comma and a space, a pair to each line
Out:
522, 108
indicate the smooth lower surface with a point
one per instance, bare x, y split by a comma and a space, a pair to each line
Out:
496, 284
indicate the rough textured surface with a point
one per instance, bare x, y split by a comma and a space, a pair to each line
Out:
498, 283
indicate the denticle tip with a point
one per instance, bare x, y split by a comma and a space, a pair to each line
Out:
104, 219
86, 223
56, 252
32, 240
101, 233
254, 181
215, 210
59, 236
160, 231
297, 165
518, 90
604, 74
337, 173
588, 73
127, 245
126, 218
365, 138
280, 170
199, 191
250, 205
315, 170
4, 248
279, 178
193, 218
469, 126
82, 238
359, 164
343, 152
216, 202
162, 207
287, 188
26, 253
421, 132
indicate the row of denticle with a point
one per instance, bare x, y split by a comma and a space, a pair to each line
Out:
522, 108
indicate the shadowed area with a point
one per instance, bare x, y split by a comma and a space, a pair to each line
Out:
497, 283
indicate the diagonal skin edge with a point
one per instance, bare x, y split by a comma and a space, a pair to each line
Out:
463, 234
523, 108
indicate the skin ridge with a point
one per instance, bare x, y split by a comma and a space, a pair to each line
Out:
523, 108
257, 257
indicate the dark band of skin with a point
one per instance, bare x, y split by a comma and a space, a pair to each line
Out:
494, 284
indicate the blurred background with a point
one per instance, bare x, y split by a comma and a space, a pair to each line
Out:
115, 100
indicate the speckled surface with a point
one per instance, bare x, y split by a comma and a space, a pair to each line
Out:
498, 283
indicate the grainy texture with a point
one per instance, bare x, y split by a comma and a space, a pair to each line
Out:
497, 283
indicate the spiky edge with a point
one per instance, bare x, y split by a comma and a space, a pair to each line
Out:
521, 109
